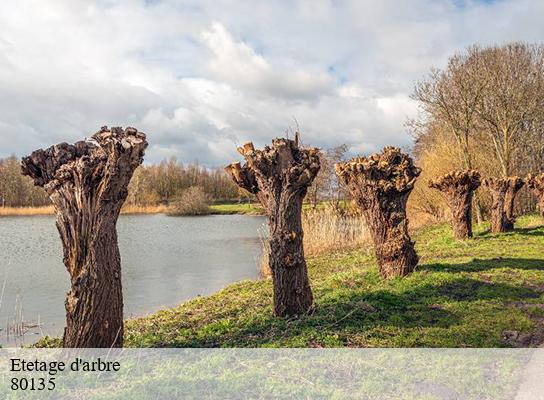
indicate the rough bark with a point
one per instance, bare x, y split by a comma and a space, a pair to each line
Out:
458, 187
381, 184
503, 192
87, 183
514, 185
536, 184
280, 176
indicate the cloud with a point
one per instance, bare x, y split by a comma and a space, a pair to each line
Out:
200, 77
239, 65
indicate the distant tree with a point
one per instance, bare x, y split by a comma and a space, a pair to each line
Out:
458, 188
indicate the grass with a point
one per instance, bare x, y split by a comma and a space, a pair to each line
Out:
48, 210
237, 208
483, 292
15, 211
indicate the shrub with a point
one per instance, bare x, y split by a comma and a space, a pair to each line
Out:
192, 201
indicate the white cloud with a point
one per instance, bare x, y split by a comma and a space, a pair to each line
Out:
238, 64
202, 76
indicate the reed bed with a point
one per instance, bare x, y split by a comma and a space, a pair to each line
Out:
14, 211
48, 210
150, 209
326, 230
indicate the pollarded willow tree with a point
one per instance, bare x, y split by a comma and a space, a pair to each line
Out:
503, 193
279, 176
381, 184
87, 183
458, 187
536, 184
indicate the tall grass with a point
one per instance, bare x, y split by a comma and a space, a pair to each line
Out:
48, 210
13, 211
149, 209
327, 229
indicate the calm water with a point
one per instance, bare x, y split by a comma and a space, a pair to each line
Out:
165, 260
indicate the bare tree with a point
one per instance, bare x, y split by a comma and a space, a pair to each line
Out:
458, 188
381, 184
452, 96
280, 176
326, 185
512, 99
87, 183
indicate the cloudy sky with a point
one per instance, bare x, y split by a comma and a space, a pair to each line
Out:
200, 77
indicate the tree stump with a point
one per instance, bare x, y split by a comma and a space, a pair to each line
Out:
279, 176
536, 184
381, 184
503, 193
87, 183
458, 187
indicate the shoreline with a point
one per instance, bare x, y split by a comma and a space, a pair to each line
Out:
215, 209
356, 308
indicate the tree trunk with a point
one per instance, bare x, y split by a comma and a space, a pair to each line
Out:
536, 184
458, 187
478, 209
503, 193
280, 177
87, 184
514, 185
381, 184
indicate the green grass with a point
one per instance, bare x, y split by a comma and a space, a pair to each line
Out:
256, 209
483, 292
237, 208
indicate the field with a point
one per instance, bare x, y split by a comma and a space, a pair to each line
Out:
485, 292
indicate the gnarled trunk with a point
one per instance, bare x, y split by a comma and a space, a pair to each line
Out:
280, 177
87, 184
381, 184
514, 185
458, 187
503, 193
536, 184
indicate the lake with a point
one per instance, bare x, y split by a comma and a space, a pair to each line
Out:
165, 260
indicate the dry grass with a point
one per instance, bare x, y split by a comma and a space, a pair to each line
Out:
15, 211
150, 209
48, 210
333, 229
326, 230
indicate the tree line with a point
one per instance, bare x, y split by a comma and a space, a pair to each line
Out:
165, 182
484, 111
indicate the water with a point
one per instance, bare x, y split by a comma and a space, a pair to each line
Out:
165, 260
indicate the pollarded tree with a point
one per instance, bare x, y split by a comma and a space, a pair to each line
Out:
503, 192
458, 187
88, 183
381, 184
536, 184
279, 176
515, 183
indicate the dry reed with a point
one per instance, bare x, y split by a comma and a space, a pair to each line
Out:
326, 230
48, 210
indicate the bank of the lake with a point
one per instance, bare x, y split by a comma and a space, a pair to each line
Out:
484, 292
165, 260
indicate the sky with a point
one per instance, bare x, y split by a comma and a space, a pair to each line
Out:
202, 77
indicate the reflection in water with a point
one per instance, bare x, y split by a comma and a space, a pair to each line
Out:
165, 260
